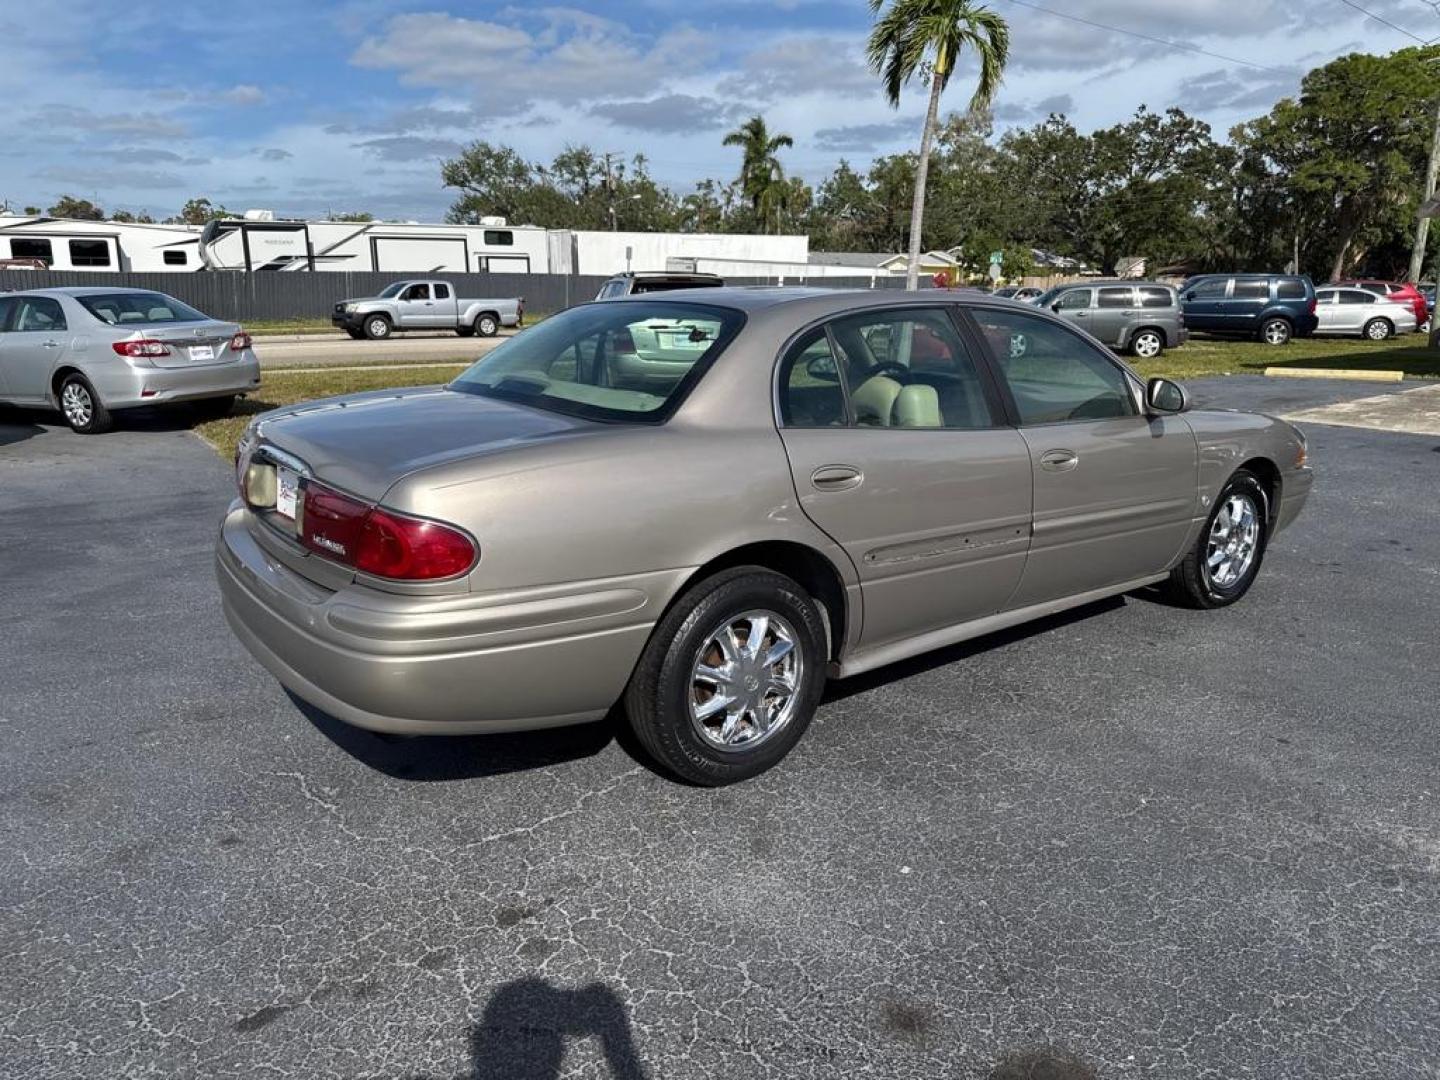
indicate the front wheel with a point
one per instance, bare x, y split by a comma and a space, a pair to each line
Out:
1222, 565
377, 327
1147, 344
730, 678
1276, 332
1378, 329
82, 407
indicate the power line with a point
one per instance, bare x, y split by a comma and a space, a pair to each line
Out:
1153, 40
1387, 22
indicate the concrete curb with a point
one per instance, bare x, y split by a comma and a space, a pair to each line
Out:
1334, 373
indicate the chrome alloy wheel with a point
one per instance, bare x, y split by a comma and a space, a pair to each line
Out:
75, 402
745, 681
1276, 332
1147, 345
1234, 539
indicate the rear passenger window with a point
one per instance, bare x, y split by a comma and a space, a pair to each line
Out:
1251, 290
1116, 298
442, 292
810, 391
1290, 290
1153, 297
37, 313
1355, 296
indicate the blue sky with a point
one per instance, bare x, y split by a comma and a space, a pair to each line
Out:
304, 106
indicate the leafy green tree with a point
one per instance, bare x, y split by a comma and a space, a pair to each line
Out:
32, 211
912, 34
68, 206
198, 211
353, 215
762, 177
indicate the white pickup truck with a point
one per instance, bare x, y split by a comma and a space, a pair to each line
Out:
425, 305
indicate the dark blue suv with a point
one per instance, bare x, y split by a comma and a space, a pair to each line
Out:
1271, 307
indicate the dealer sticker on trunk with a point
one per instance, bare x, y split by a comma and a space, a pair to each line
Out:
287, 491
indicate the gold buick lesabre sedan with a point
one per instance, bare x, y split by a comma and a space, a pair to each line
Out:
703, 504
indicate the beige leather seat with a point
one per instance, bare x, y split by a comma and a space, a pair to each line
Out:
874, 400
917, 405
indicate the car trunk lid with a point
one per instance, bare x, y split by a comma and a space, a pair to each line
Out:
190, 344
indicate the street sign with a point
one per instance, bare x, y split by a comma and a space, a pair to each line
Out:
996, 258
995, 272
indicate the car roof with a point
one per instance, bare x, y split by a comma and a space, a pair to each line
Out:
755, 298
86, 290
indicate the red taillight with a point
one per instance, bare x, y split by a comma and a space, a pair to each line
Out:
141, 347
381, 542
1314, 303
240, 341
395, 546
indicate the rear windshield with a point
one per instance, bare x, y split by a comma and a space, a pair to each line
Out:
633, 360
117, 309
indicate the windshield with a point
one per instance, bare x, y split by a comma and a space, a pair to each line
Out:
632, 360
392, 290
138, 307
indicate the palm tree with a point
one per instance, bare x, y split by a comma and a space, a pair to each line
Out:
916, 34
760, 170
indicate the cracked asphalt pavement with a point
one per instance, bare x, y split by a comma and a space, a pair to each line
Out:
1131, 841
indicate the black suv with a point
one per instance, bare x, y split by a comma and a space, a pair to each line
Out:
1272, 307
644, 281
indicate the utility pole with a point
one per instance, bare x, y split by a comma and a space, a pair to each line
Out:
1422, 225
610, 192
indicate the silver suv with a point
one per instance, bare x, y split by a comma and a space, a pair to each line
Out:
1143, 317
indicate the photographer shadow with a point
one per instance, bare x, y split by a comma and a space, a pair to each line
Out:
526, 1024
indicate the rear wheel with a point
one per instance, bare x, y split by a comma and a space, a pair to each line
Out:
82, 407
1147, 344
377, 327
487, 325
1378, 329
1226, 557
1276, 332
730, 678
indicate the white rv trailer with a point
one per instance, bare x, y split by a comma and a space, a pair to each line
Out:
66, 244
260, 243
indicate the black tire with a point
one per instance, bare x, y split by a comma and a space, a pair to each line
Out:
487, 325
1147, 344
1276, 331
82, 408
659, 698
1378, 329
216, 407
465, 331
377, 327
358, 335
1192, 583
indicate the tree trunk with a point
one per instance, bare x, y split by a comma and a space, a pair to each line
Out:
922, 171
1337, 270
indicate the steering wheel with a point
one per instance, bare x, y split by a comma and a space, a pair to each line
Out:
888, 367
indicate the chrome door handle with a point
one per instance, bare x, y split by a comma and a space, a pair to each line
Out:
836, 477
1059, 460
50, 344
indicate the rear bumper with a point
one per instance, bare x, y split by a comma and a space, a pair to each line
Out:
125, 386
443, 664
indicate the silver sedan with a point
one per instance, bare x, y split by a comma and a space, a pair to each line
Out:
705, 503
1359, 313
91, 352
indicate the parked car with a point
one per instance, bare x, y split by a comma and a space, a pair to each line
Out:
1361, 313
1272, 307
425, 305
633, 283
1023, 293
1398, 293
1143, 318
92, 352
576, 520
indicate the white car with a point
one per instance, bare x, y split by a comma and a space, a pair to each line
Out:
1357, 313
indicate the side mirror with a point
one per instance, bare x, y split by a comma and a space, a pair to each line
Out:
1164, 396
1055, 307
1188, 296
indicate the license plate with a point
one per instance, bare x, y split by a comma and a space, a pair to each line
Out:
287, 491
201, 353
